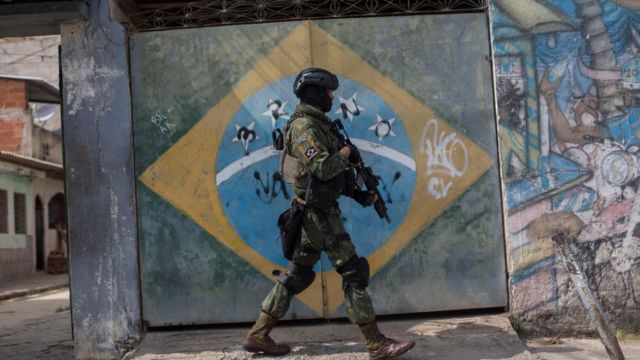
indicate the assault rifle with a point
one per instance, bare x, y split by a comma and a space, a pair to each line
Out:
364, 173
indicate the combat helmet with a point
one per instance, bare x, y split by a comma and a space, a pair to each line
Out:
315, 76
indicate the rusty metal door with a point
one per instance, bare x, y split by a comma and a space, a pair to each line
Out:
415, 95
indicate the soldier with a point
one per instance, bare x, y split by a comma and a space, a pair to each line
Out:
312, 154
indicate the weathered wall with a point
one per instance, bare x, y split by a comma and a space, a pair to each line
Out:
103, 251
47, 144
567, 80
209, 191
17, 262
31, 56
35, 56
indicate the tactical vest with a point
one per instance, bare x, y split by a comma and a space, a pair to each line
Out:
292, 169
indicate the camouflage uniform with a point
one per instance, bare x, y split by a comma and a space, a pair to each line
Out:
308, 138
314, 164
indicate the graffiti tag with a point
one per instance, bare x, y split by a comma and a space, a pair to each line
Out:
273, 187
440, 149
161, 121
438, 188
388, 186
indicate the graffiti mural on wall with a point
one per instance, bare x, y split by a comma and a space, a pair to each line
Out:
223, 173
252, 165
569, 118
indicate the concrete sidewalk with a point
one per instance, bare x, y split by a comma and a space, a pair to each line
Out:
39, 327
32, 284
469, 338
579, 349
453, 338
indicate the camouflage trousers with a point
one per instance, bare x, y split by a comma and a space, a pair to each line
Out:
357, 302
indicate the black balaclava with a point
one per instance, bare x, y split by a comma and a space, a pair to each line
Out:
316, 96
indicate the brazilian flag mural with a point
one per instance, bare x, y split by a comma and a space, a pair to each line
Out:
415, 96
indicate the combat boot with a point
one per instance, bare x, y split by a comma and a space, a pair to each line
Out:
258, 340
380, 346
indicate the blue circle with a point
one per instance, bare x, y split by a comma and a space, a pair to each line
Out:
253, 194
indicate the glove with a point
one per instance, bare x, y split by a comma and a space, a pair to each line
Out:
364, 198
354, 155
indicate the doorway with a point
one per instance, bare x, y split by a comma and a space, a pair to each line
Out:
39, 234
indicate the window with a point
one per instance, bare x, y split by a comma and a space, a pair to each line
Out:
4, 212
45, 150
20, 210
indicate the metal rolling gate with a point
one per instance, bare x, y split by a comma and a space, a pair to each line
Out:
416, 96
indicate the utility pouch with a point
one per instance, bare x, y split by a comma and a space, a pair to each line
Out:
290, 224
321, 194
291, 169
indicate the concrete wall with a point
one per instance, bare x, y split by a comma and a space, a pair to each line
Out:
34, 56
103, 249
31, 56
569, 146
17, 263
46, 144
17, 250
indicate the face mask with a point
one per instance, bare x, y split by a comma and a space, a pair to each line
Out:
316, 96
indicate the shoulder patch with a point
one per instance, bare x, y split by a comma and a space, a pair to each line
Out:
307, 147
311, 153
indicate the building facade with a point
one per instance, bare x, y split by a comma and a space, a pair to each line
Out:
32, 211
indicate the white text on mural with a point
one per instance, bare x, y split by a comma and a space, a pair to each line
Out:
440, 149
161, 121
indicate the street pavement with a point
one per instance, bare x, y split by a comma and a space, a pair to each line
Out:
39, 327
36, 327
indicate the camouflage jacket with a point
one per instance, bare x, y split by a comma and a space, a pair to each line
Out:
308, 139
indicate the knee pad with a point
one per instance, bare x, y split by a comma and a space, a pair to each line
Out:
298, 278
355, 273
